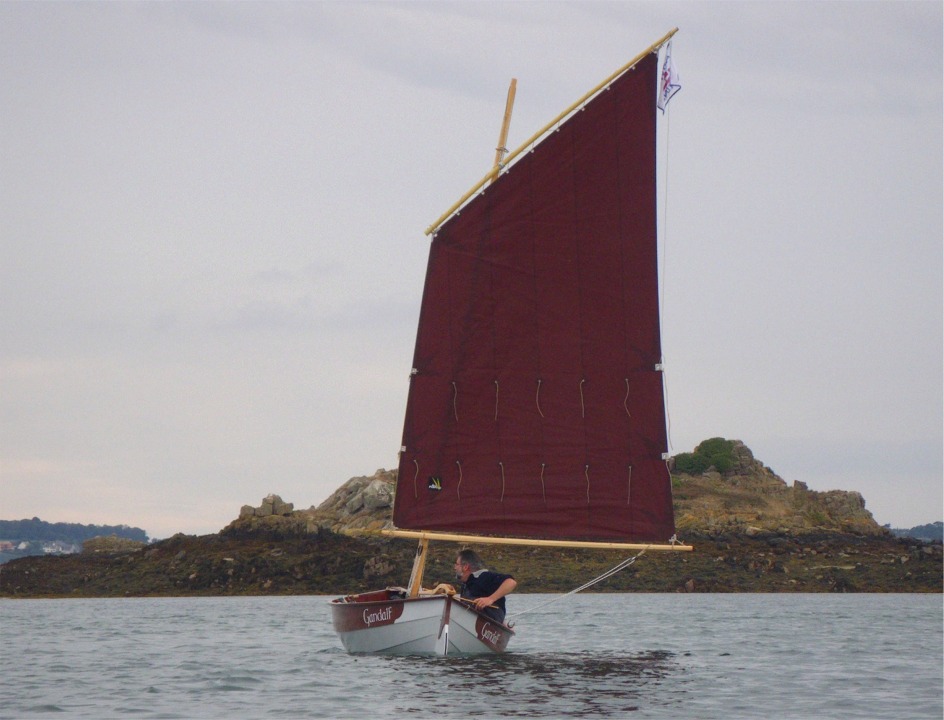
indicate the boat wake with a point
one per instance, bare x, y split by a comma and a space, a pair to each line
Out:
584, 684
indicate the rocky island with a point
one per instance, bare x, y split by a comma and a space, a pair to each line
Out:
752, 532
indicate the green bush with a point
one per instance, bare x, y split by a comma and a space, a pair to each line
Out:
691, 463
722, 462
684, 462
716, 452
715, 446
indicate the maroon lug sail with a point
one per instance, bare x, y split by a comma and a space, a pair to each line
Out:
536, 403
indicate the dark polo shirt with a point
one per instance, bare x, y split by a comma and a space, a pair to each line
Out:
483, 583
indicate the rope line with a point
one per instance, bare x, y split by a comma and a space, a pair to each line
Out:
496, 401
626, 400
609, 573
502, 466
415, 475
583, 410
459, 485
665, 244
455, 396
668, 416
537, 398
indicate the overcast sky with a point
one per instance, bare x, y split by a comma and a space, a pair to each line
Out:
212, 248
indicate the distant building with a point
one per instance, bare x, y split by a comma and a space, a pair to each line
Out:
58, 547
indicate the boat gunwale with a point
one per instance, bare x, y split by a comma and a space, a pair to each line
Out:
349, 601
352, 599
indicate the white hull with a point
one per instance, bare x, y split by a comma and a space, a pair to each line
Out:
383, 622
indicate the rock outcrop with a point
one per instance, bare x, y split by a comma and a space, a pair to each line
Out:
271, 505
749, 497
361, 504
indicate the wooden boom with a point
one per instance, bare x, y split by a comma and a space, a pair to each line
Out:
490, 540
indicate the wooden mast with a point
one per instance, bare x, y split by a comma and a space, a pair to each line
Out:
501, 150
419, 565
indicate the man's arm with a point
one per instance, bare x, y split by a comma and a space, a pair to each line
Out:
507, 586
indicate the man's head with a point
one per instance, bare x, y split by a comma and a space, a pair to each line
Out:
467, 562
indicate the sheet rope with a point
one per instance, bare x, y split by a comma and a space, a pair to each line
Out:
609, 573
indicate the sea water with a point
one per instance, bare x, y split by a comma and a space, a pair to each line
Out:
588, 656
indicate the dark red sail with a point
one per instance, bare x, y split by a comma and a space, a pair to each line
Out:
536, 402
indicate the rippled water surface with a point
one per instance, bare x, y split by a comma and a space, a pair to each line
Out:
591, 656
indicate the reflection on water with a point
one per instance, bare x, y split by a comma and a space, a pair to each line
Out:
517, 685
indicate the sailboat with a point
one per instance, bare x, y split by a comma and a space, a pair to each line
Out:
535, 413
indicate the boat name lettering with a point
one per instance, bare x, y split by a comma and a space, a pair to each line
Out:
489, 634
382, 615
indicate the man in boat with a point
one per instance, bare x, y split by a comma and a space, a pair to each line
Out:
485, 588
